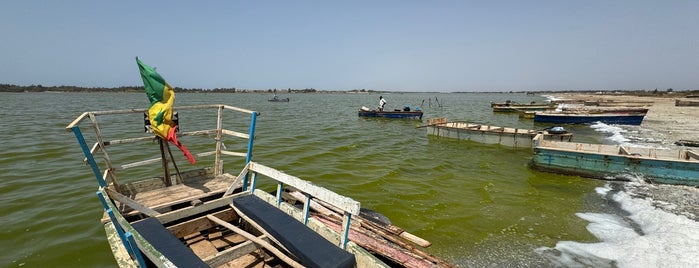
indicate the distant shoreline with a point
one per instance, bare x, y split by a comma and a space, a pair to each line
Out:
669, 93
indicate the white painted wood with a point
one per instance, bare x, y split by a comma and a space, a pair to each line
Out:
342, 202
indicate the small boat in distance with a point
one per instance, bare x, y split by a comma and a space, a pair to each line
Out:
277, 99
616, 162
506, 136
402, 114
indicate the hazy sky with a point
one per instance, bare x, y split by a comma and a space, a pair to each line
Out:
341, 45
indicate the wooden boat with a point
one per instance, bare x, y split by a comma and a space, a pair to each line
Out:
205, 217
365, 112
605, 110
510, 137
513, 107
587, 118
275, 99
688, 143
616, 162
686, 103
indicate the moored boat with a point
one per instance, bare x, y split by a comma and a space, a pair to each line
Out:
203, 216
688, 143
512, 107
686, 103
207, 217
506, 136
587, 118
616, 162
366, 112
275, 99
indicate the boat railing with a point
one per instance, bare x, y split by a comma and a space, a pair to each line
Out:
100, 143
346, 205
641, 152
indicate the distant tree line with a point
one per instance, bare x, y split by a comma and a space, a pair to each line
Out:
40, 88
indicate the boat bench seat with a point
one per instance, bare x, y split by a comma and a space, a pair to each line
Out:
308, 246
166, 243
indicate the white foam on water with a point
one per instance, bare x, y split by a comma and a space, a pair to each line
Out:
550, 98
642, 236
617, 133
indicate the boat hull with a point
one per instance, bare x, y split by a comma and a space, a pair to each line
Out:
392, 114
581, 159
620, 119
510, 137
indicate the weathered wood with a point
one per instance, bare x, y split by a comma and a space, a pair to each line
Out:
389, 227
203, 249
258, 241
191, 211
131, 203
623, 150
237, 256
258, 227
200, 224
227, 241
342, 202
692, 155
388, 250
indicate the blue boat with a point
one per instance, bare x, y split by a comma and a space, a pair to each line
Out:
365, 112
588, 118
616, 162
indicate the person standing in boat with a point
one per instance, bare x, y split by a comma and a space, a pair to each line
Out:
382, 103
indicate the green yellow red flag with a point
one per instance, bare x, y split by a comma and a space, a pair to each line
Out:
162, 98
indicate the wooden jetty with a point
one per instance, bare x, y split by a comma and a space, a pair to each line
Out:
205, 217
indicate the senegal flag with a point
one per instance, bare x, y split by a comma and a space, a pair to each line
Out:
161, 97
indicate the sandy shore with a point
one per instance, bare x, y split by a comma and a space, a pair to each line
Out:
671, 122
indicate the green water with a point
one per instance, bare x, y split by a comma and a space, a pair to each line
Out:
480, 205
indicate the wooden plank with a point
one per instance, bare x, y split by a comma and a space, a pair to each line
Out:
200, 224
694, 155
191, 211
228, 241
257, 240
203, 249
238, 256
342, 202
623, 150
131, 203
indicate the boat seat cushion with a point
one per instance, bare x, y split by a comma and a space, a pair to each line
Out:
166, 243
308, 246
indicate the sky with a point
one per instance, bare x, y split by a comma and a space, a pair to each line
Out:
425, 46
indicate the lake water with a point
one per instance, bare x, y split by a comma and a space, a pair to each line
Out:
480, 205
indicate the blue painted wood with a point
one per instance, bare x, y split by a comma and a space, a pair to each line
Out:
251, 140
89, 156
133, 250
620, 119
604, 166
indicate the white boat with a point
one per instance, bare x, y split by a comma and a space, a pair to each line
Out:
506, 136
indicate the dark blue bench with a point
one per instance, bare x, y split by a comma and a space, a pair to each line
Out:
311, 248
166, 243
